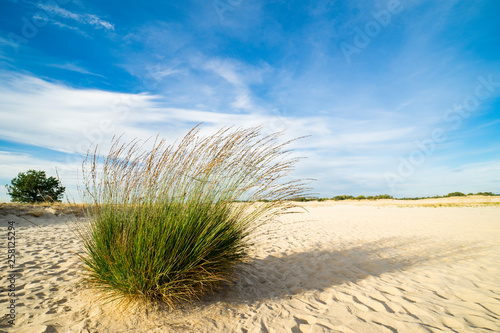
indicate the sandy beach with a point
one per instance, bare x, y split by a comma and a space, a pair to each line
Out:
345, 266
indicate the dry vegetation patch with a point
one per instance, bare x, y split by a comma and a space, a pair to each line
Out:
41, 209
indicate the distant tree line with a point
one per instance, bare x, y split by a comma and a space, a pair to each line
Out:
386, 196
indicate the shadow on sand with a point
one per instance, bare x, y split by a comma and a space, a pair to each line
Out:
281, 277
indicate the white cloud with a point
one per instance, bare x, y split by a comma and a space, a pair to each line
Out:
61, 25
345, 154
58, 117
74, 68
242, 101
62, 118
83, 18
240, 76
7, 42
226, 70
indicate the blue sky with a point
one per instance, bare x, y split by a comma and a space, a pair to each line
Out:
398, 97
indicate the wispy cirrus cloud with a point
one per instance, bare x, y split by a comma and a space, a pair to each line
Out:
61, 25
73, 68
238, 75
83, 18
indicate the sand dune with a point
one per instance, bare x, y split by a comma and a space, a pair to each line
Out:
339, 267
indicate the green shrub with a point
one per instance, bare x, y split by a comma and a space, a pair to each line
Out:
342, 197
384, 196
33, 186
455, 194
172, 223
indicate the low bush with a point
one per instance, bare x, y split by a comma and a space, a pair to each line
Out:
342, 197
486, 193
455, 194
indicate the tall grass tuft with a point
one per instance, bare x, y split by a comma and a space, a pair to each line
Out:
171, 223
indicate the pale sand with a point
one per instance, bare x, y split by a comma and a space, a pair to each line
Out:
359, 266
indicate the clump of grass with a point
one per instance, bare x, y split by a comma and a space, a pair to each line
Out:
35, 212
171, 223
